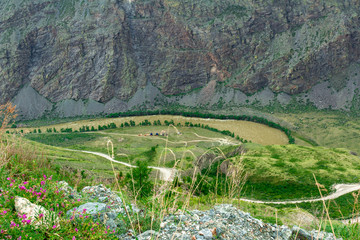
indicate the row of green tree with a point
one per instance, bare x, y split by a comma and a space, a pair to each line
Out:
208, 115
224, 132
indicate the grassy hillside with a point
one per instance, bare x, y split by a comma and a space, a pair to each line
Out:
327, 128
286, 172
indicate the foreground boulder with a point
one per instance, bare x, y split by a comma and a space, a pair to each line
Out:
34, 214
90, 208
103, 206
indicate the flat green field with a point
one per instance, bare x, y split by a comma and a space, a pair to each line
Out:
255, 132
136, 143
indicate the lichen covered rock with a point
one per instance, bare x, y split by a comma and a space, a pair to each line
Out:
34, 214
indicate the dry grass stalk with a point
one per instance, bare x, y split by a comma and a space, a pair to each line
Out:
117, 180
325, 207
7, 114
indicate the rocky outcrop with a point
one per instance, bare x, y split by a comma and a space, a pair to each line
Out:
221, 222
225, 222
113, 51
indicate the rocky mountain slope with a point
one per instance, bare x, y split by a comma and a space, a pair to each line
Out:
74, 57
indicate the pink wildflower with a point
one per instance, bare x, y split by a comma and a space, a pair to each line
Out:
54, 226
76, 230
74, 238
42, 183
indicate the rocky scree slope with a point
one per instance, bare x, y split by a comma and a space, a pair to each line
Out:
109, 51
221, 222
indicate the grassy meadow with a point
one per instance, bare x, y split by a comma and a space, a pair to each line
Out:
131, 144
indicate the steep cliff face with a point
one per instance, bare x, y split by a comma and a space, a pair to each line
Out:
111, 49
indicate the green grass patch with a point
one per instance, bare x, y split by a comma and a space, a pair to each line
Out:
286, 172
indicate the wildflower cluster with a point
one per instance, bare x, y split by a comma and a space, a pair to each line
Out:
45, 192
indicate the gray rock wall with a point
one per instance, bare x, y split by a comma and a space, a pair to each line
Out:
71, 51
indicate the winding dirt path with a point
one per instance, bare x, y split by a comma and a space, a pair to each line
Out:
166, 174
221, 141
341, 189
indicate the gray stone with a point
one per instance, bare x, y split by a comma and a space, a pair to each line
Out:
206, 233
87, 208
69, 191
301, 232
148, 235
